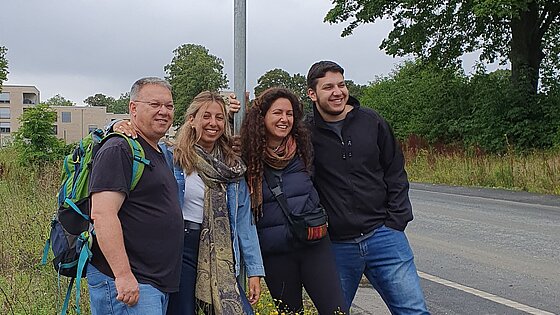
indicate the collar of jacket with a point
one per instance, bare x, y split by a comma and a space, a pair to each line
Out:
317, 120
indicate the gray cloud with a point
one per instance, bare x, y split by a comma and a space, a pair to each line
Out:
81, 47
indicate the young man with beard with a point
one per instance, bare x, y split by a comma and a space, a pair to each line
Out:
136, 258
360, 177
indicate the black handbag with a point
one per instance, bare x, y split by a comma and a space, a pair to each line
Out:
309, 227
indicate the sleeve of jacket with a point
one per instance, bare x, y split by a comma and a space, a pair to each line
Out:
247, 233
392, 160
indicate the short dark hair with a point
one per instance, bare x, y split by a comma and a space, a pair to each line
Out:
319, 70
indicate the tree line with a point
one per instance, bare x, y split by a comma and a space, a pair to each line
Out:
440, 105
430, 97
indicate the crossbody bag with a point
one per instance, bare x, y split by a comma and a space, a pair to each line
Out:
308, 227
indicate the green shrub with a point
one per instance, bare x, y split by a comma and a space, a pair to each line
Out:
420, 99
35, 140
483, 111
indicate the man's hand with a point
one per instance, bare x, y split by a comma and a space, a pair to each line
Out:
254, 290
128, 291
234, 105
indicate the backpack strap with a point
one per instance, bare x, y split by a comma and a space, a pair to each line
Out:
84, 241
139, 160
83, 246
67, 296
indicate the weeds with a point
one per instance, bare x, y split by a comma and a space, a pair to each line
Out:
537, 172
27, 202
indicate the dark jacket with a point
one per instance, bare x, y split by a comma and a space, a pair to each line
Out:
361, 178
273, 229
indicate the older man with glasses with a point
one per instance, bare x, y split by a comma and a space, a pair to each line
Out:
136, 259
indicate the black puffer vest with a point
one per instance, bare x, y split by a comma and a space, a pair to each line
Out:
273, 227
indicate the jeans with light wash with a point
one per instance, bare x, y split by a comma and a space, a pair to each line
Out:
103, 297
387, 261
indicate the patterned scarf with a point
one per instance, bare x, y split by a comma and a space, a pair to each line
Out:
277, 158
216, 286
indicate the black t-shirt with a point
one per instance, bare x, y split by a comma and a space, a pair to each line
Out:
150, 216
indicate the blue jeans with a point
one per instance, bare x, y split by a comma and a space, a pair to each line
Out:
184, 301
103, 297
387, 261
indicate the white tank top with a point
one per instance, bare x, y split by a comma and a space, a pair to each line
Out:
194, 198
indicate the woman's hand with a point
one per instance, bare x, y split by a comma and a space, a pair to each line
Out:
124, 126
254, 290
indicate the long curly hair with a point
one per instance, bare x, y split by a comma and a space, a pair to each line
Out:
190, 132
253, 133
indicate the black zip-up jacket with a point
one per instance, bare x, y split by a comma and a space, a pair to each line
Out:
360, 178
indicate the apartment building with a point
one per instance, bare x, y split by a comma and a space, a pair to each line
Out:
72, 122
75, 122
13, 100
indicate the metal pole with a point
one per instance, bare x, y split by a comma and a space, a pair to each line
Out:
239, 58
239, 81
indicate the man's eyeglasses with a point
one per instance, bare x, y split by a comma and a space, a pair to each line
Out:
156, 105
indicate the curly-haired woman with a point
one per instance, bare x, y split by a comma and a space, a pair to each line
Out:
274, 136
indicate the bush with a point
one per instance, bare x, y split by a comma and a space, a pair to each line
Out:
35, 140
419, 99
482, 112
502, 116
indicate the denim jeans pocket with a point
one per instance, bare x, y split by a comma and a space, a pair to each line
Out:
99, 292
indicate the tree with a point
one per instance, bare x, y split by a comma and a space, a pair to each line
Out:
192, 70
3, 66
420, 99
35, 140
59, 100
100, 100
281, 78
523, 32
116, 106
356, 90
120, 106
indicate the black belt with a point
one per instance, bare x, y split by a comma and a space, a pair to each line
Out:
190, 225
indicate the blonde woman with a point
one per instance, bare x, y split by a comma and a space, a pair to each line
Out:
217, 214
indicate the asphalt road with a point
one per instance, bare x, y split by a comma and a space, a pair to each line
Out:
482, 251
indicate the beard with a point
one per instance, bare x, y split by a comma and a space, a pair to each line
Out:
324, 106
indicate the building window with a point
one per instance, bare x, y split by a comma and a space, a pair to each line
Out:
5, 97
5, 112
4, 127
91, 128
55, 129
29, 98
66, 117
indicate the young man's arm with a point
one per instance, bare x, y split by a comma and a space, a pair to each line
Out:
105, 206
392, 160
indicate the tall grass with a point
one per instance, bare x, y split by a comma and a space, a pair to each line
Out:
537, 172
27, 204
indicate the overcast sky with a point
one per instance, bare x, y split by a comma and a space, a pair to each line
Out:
77, 48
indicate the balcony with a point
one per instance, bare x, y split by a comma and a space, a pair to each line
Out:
29, 98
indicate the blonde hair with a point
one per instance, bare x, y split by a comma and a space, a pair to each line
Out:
184, 153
